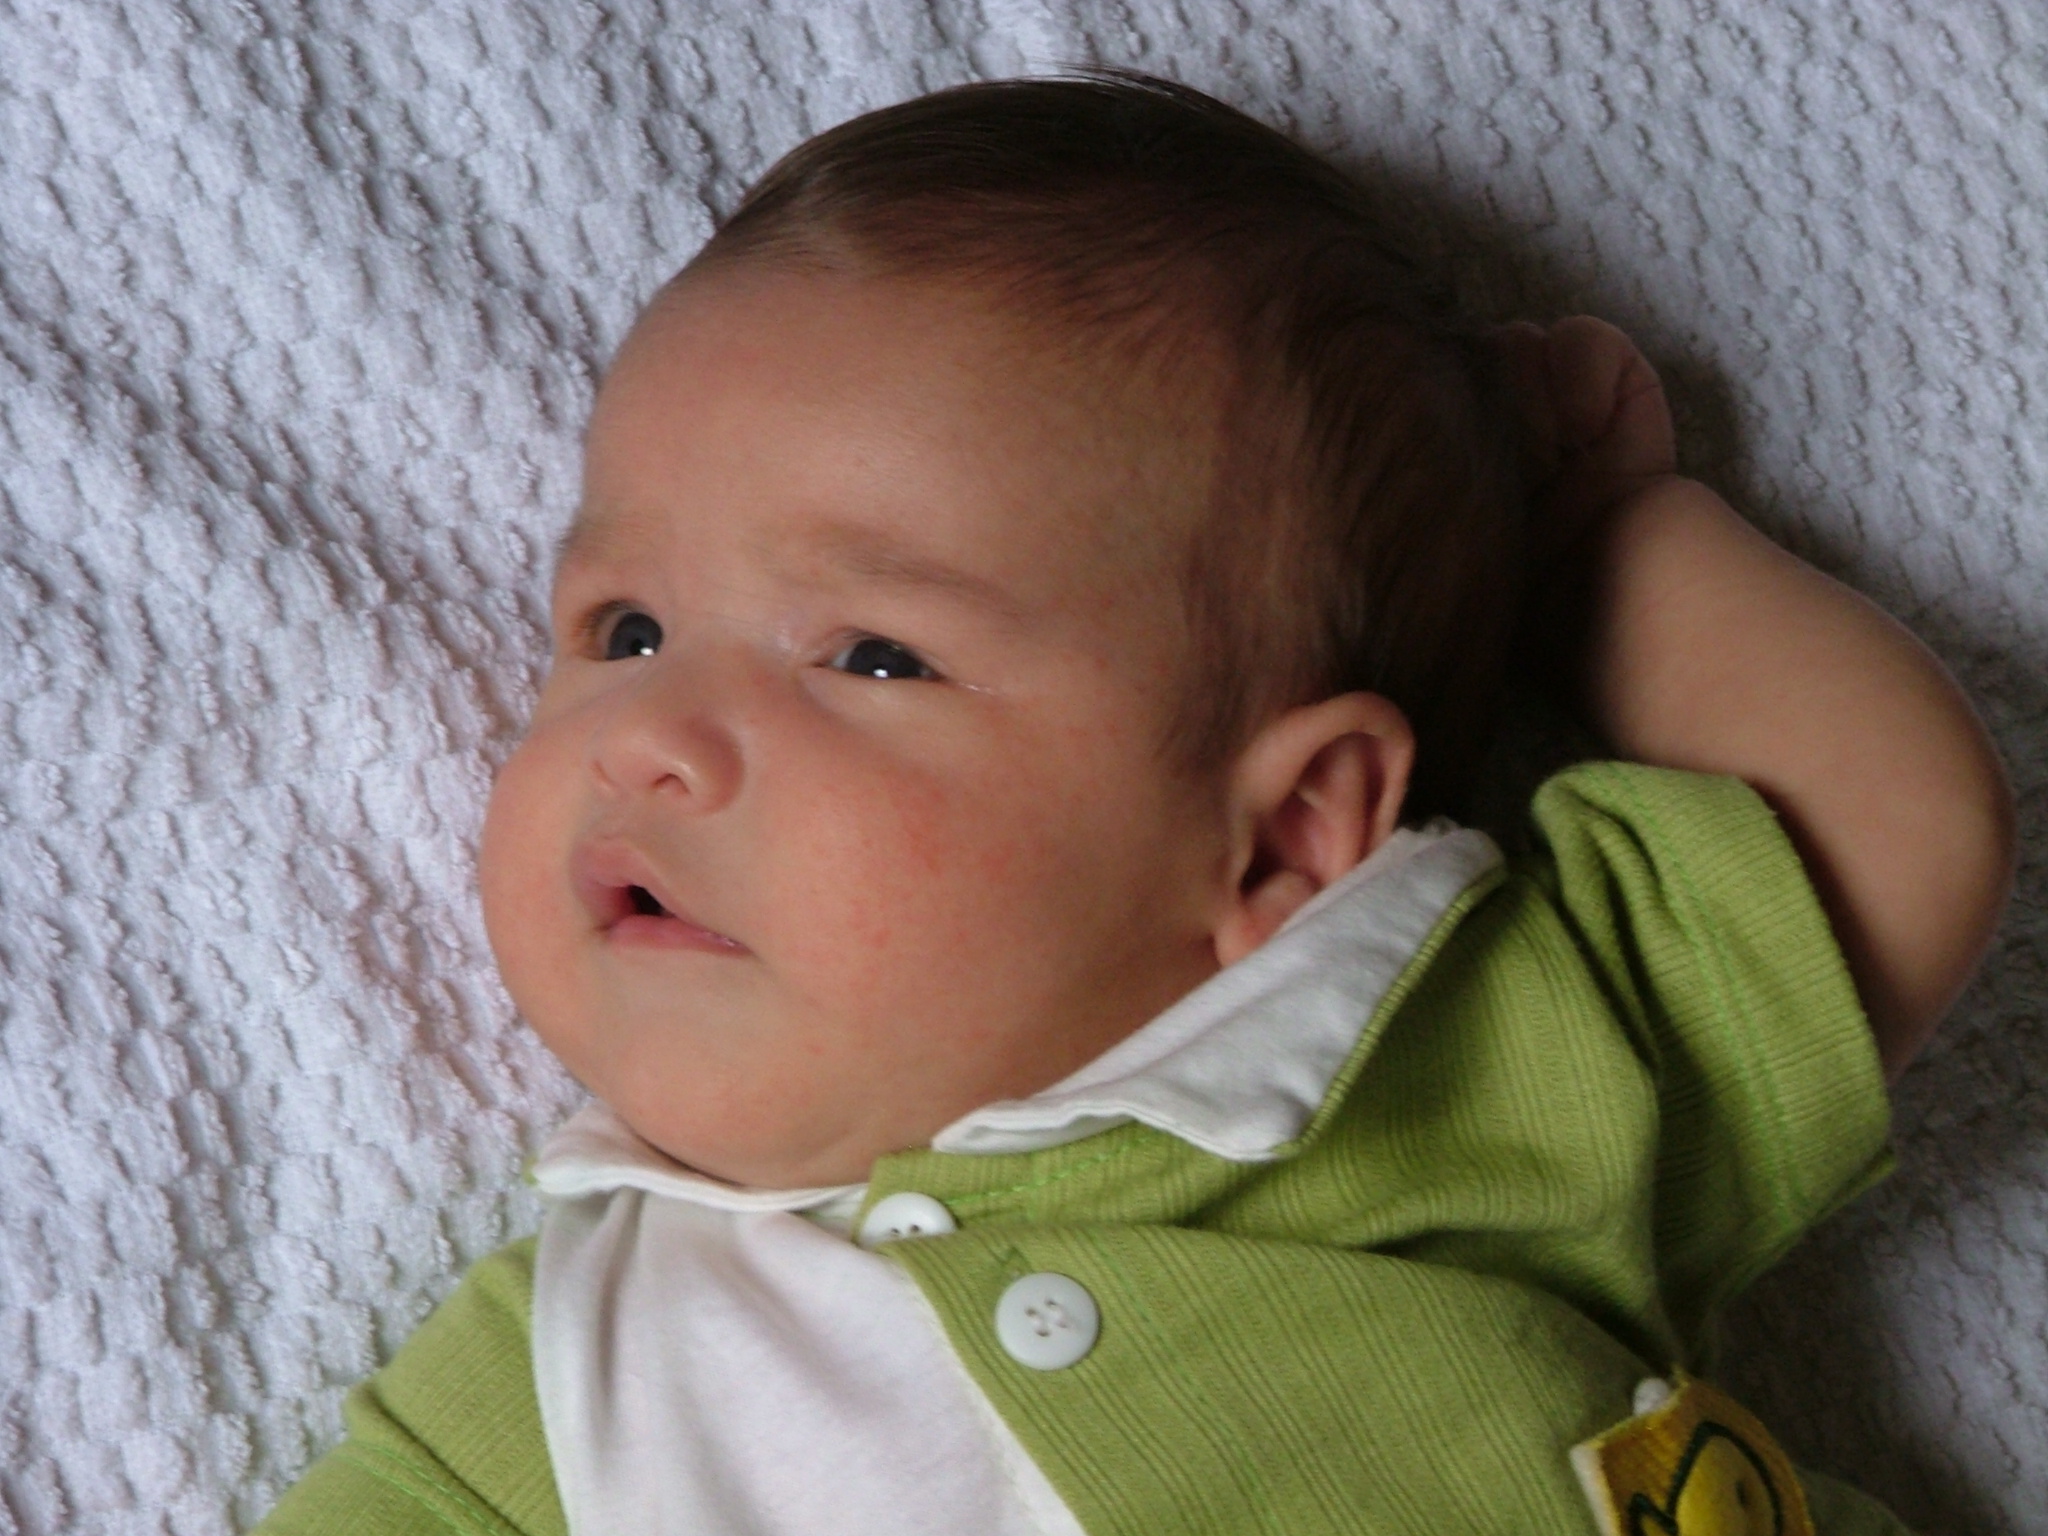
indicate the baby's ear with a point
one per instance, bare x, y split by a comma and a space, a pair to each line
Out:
1316, 790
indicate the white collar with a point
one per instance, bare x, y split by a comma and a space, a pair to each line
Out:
1236, 1068
1240, 1065
595, 1152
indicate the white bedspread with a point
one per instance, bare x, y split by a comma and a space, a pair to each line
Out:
301, 302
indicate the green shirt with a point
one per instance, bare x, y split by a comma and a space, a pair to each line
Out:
1618, 1081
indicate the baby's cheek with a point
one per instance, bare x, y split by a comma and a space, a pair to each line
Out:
520, 858
898, 892
513, 816
920, 834
499, 875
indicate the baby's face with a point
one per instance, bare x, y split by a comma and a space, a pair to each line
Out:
843, 809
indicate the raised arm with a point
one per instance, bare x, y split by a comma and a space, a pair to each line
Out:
1705, 646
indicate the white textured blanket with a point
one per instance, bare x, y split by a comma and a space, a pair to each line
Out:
301, 303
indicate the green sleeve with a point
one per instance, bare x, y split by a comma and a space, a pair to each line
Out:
1695, 911
447, 1437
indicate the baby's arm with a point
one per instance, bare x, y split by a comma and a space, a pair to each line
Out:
1705, 646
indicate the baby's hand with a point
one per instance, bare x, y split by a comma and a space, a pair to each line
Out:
1596, 423
1597, 436
1689, 640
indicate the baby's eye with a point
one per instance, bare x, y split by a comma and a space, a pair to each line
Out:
632, 633
871, 656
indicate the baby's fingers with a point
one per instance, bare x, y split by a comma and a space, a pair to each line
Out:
1608, 400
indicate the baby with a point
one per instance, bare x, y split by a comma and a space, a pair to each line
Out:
1045, 572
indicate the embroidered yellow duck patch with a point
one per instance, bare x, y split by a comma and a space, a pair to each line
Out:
1692, 1462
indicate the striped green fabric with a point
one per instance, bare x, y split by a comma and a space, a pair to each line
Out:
1619, 1081
446, 1440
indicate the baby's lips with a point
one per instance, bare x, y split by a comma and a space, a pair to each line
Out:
605, 874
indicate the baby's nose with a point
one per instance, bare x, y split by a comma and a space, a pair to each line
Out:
669, 734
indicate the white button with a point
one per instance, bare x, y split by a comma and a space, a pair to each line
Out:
1047, 1321
905, 1214
1652, 1393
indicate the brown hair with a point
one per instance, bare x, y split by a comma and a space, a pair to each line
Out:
1367, 526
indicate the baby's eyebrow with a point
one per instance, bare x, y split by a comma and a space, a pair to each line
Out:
875, 554
859, 550
584, 539
573, 541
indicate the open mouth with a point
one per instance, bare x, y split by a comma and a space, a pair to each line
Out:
640, 919
617, 888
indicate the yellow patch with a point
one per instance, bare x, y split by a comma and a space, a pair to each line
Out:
1698, 1464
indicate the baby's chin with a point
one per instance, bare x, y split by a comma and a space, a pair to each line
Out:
766, 1167
761, 1148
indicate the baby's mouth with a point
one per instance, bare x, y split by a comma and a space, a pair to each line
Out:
616, 886
642, 921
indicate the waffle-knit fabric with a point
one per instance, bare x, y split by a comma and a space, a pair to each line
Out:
301, 307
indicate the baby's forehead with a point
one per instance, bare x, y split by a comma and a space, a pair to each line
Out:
927, 372
1110, 335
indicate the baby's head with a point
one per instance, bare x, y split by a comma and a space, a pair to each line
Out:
1011, 557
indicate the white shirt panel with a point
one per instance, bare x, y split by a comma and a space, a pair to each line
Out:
747, 1373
